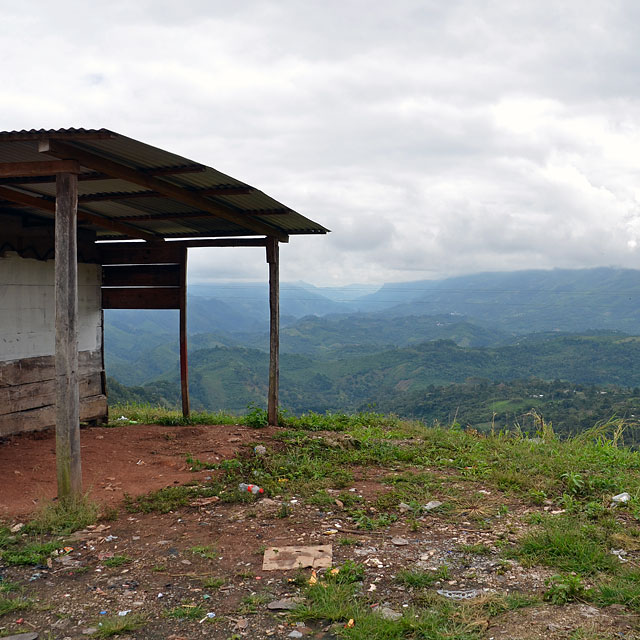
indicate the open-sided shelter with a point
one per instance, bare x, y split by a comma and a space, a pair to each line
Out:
73, 203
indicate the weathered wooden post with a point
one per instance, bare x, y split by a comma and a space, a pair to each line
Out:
273, 258
68, 460
184, 368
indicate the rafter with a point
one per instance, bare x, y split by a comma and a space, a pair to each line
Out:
47, 204
117, 170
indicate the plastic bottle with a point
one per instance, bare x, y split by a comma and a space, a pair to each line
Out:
251, 488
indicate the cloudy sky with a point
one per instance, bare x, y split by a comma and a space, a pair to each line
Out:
432, 137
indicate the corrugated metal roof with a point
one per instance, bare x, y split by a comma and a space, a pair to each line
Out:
246, 210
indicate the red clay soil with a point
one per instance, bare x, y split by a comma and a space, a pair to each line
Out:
132, 459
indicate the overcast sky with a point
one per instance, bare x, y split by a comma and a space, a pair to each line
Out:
433, 137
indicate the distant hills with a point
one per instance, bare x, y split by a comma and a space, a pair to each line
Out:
350, 347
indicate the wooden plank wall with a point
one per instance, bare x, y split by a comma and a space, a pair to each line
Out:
27, 392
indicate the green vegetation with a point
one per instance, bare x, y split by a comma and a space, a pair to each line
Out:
187, 611
116, 561
117, 625
64, 517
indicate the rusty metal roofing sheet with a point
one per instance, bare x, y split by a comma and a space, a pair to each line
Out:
118, 199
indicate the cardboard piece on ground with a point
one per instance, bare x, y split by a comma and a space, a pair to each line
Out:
283, 558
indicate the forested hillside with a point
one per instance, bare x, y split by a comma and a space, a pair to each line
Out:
495, 342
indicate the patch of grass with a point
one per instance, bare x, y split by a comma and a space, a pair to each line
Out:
416, 579
476, 549
117, 625
116, 561
21, 552
620, 589
148, 414
205, 551
7, 586
250, 603
213, 583
170, 498
186, 611
568, 544
64, 517
348, 573
10, 605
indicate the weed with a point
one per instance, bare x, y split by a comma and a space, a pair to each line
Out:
9, 605
186, 611
569, 545
116, 561
205, 551
416, 579
347, 541
256, 417
251, 602
27, 553
284, 511
348, 573
159, 568
213, 583
117, 625
563, 589
64, 517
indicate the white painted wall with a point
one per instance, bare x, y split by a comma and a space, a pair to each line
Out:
27, 311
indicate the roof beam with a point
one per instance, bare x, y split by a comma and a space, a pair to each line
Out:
191, 244
123, 172
97, 175
46, 168
126, 195
46, 204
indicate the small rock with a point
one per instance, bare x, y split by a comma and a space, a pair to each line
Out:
399, 542
390, 614
31, 635
295, 634
89, 631
286, 604
17, 527
404, 507
430, 506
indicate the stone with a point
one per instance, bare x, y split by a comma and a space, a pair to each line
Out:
286, 604
390, 614
430, 506
399, 542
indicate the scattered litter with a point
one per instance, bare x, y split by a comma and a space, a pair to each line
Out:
430, 506
621, 498
330, 532
466, 594
399, 542
350, 624
372, 587
260, 450
313, 579
110, 538
389, 614
161, 595
284, 558
295, 634
251, 488
209, 616
17, 527
124, 612
619, 553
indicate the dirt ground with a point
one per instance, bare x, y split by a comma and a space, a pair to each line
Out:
132, 459
166, 566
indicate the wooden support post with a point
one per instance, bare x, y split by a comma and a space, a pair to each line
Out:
273, 258
184, 368
68, 460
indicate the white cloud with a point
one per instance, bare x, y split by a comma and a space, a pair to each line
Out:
433, 138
